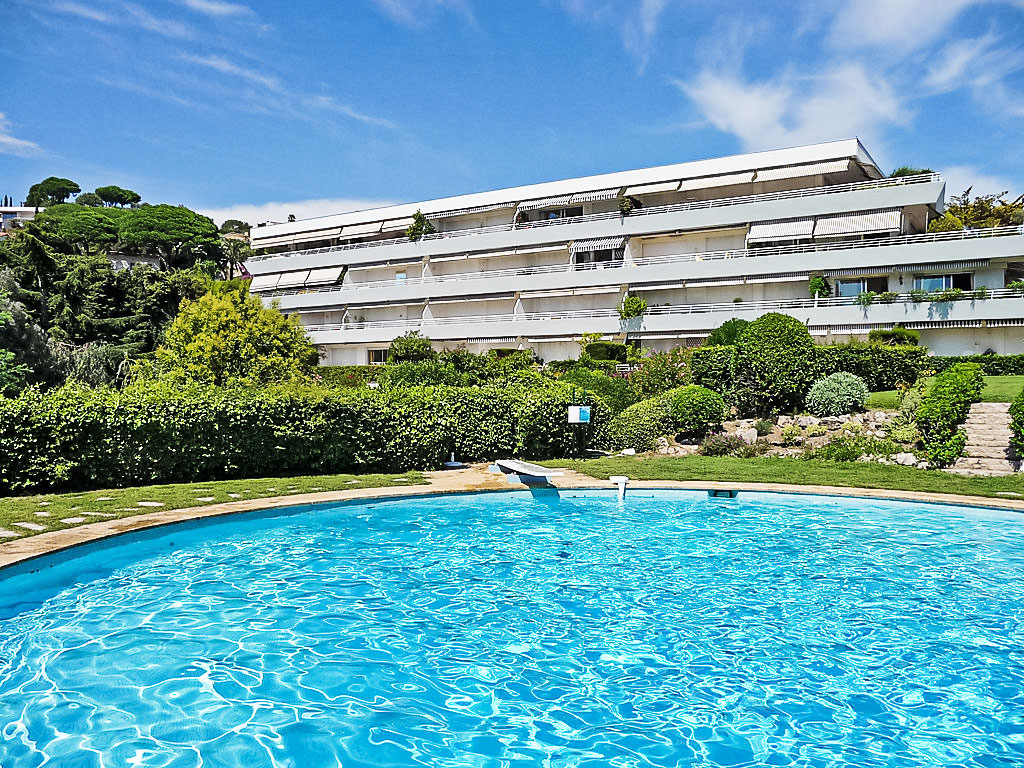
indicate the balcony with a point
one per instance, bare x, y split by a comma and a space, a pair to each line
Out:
1001, 242
925, 189
1003, 307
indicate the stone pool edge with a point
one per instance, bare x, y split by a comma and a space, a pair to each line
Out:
475, 478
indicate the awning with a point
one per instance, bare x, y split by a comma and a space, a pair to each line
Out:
566, 292
726, 180
318, 234
398, 225
859, 223
355, 230
293, 279
858, 271
324, 276
273, 242
574, 199
796, 171
466, 211
770, 231
264, 282
652, 189
597, 244
936, 266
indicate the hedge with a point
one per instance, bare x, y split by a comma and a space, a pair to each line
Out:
1017, 424
991, 365
944, 408
78, 438
712, 367
346, 375
882, 367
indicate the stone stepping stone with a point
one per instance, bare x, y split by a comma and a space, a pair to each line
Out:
42, 514
104, 498
351, 482
44, 503
103, 514
400, 480
31, 526
204, 498
235, 495
73, 520
5, 534
150, 504
271, 489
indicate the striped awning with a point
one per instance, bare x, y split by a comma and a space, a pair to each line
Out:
597, 244
355, 230
798, 171
293, 279
324, 276
790, 229
467, 211
398, 225
272, 242
324, 233
859, 223
574, 199
858, 271
707, 182
936, 266
653, 189
264, 282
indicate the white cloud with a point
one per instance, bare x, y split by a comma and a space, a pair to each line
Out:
84, 11
227, 67
412, 12
975, 62
960, 177
303, 209
844, 102
128, 14
638, 21
217, 8
10, 145
902, 25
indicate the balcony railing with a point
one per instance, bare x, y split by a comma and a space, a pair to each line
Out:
616, 267
693, 205
678, 309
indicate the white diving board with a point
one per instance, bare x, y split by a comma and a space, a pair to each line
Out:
526, 469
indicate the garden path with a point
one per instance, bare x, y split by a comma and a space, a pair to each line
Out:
988, 450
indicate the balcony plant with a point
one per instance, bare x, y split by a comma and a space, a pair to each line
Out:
628, 204
420, 226
949, 294
818, 287
887, 297
981, 293
632, 306
918, 295
865, 299
1017, 286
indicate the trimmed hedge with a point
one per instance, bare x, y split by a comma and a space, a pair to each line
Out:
346, 375
695, 410
1017, 424
991, 365
944, 408
882, 367
690, 410
712, 367
774, 365
79, 438
616, 391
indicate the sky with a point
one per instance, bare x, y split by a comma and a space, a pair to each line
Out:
257, 109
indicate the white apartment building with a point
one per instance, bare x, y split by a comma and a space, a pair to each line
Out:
539, 265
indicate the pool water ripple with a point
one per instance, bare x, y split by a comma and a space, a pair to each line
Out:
508, 630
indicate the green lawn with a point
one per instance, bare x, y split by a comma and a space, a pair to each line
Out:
50, 511
853, 474
998, 389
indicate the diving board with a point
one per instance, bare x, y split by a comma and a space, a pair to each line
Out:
526, 471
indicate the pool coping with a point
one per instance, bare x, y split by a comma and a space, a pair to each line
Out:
472, 479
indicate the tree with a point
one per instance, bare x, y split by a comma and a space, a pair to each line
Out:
982, 212
175, 234
113, 195
50, 191
774, 365
90, 199
420, 226
234, 227
24, 352
79, 228
908, 170
411, 347
727, 333
228, 337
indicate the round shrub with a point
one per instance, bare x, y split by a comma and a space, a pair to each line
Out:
837, 394
640, 425
774, 364
695, 410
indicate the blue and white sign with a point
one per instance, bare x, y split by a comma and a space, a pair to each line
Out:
579, 414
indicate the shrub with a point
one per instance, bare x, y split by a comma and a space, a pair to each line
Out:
632, 306
79, 438
981, 293
694, 410
420, 373
774, 365
887, 297
816, 430
763, 427
837, 394
410, 348
420, 226
918, 295
944, 408
792, 434
948, 294
904, 432
628, 203
640, 425
1017, 424
606, 350
895, 336
865, 299
346, 375
720, 444
852, 447
726, 333
1017, 286
616, 392
991, 365
659, 372
818, 287
881, 366
713, 368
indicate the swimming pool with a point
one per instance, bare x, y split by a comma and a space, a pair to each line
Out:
520, 629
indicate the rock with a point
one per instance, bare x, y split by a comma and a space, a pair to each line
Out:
807, 421
628, 451
784, 420
923, 465
832, 422
661, 445
881, 433
905, 459
748, 435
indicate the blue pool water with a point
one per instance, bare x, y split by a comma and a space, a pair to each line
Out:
519, 630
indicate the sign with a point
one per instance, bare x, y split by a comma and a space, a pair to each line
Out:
579, 414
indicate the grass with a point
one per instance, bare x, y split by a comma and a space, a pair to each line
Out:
852, 474
998, 389
52, 510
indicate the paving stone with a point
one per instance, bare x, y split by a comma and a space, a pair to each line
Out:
44, 503
31, 526
5, 534
73, 520
105, 514
235, 495
150, 504
42, 514
104, 498
205, 498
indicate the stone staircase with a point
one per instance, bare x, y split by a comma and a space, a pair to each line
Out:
988, 449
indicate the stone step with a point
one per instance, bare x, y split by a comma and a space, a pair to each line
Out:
990, 407
954, 470
985, 463
988, 452
976, 438
982, 419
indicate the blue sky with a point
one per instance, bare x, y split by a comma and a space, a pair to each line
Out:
258, 109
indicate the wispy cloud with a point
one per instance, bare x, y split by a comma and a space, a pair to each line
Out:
413, 13
960, 177
330, 104
638, 22
126, 14
221, 64
901, 26
82, 11
218, 8
11, 145
302, 209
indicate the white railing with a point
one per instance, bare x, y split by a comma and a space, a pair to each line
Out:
652, 211
618, 277
677, 309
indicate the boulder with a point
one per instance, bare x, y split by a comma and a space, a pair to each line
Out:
748, 435
905, 459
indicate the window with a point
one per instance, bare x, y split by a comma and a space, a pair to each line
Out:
859, 285
399, 277
376, 356
962, 281
561, 213
597, 259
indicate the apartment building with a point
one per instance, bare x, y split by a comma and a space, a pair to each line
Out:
539, 265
